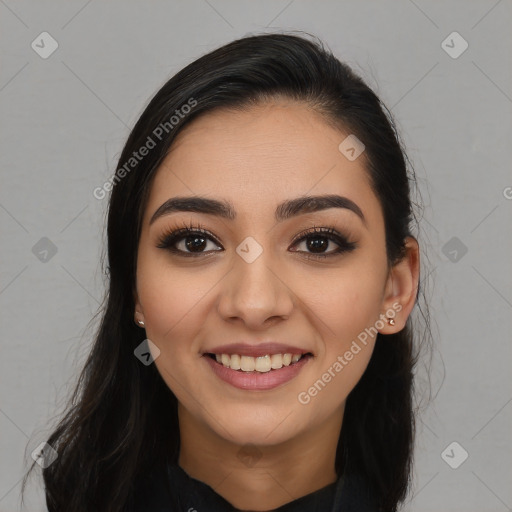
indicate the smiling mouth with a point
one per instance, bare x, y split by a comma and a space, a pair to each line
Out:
261, 364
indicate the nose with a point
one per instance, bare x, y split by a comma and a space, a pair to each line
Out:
255, 294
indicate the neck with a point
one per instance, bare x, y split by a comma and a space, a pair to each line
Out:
260, 478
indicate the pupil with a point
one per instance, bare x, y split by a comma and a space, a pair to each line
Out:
193, 245
317, 243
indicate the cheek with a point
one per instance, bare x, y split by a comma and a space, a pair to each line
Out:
345, 307
346, 301
171, 298
173, 301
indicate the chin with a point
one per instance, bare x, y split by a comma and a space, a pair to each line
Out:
256, 427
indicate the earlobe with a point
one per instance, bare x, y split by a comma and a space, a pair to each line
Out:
402, 288
139, 314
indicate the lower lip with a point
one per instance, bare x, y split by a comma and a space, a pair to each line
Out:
257, 381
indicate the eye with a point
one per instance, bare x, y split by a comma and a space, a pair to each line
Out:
317, 240
189, 241
194, 241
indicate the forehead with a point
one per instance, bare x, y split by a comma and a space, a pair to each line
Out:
258, 156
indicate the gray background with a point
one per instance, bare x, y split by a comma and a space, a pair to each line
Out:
64, 120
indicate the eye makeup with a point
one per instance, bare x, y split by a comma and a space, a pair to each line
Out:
198, 234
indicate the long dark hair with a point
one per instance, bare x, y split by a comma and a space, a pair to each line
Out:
121, 420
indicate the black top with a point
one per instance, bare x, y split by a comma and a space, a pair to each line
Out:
178, 492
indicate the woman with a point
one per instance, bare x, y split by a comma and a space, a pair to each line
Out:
256, 348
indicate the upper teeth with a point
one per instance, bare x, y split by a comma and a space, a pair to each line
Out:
260, 364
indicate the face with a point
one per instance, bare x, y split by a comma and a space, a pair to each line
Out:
312, 282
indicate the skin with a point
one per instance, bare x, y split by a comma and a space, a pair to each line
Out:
257, 158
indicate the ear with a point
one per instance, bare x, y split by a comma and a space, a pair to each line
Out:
401, 288
139, 312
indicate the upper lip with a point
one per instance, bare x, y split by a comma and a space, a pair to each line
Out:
256, 350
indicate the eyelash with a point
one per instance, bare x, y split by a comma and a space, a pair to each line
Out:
176, 234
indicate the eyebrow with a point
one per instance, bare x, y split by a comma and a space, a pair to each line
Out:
285, 210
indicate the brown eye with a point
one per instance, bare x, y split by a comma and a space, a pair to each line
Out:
187, 242
197, 241
318, 240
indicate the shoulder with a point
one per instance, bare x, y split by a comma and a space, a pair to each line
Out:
354, 494
153, 493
